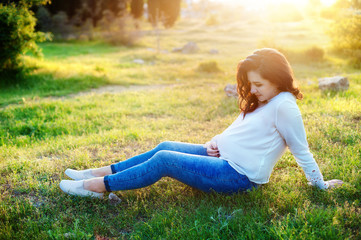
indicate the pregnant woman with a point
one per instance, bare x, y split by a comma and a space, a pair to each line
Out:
241, 158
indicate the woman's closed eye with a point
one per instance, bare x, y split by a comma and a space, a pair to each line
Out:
257, 84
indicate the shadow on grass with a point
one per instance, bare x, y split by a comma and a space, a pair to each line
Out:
37, 85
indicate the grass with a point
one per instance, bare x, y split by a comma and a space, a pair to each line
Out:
42, 135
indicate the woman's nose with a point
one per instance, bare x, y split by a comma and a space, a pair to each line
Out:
253, 90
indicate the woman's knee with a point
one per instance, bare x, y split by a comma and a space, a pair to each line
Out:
166, 145
160, 155
160, 160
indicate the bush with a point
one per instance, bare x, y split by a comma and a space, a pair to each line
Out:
355, 60
17, 36
15, 28
311, 54
60, 25
346, 32
209, 67
118, 30
308, 55
314, 54
44, 21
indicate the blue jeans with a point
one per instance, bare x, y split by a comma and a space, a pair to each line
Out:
188, 163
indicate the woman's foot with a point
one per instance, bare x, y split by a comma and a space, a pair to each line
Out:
89, 173
76, 188
79, 175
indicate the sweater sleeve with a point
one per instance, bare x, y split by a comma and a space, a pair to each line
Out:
290, 125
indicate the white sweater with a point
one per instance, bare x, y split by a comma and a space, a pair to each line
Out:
253, 145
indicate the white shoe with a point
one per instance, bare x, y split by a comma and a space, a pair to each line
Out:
76, 188
79, 175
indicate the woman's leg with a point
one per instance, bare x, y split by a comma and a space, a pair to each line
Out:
202, 172
197, 149
88, 173
117, 167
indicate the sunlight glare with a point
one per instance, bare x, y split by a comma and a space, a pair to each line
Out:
261, 3
328, 2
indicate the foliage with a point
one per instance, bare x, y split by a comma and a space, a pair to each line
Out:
17, 36
104, 19
78, 12
345, 31
68, 19
44, 21
310, 54
60, 25
341, 9
137, 8
71, 8
118, 30
209, 67
164, 11
24, 3
355, 4
314, 54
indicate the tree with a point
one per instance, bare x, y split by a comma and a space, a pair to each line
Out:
347, 33
17, 34
68, 6
164, 11
346, 29
78, 12
87, 9
137, 8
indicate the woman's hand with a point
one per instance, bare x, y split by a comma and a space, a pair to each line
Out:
334, 183
331, 183
212, 149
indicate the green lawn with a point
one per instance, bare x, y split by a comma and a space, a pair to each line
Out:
44, 130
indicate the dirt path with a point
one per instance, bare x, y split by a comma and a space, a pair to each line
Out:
116, 89
113, 89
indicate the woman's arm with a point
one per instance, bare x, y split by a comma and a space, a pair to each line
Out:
290, 125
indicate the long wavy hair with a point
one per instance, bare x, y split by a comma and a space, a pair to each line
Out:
272, 66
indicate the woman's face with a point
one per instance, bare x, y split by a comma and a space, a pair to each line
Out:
262, 88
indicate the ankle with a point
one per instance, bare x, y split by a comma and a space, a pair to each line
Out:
95, 185
101, 172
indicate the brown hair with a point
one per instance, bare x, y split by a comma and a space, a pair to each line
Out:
272, 66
